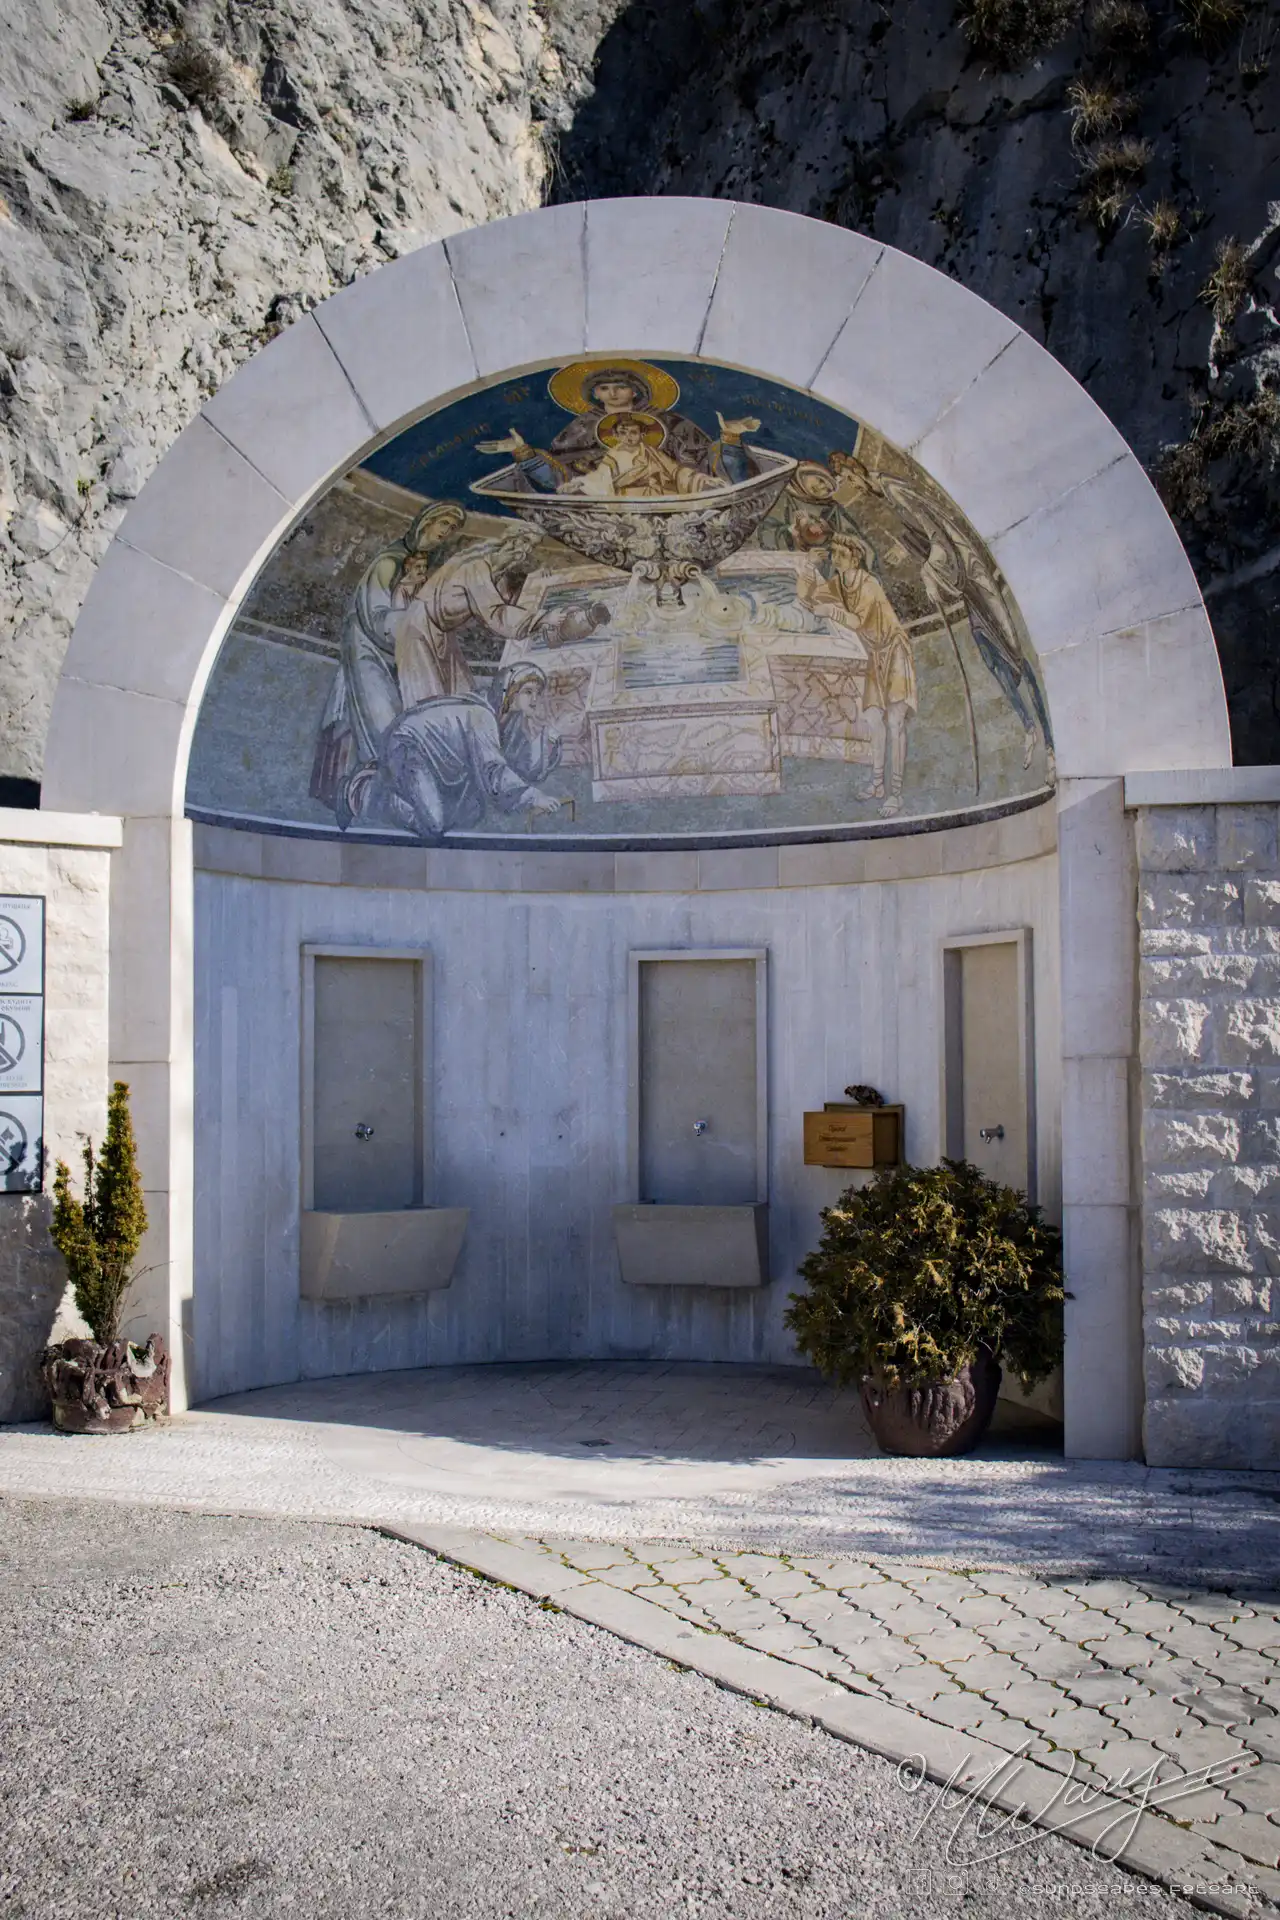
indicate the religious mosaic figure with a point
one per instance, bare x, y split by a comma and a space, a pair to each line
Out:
446, 761
400, 644
947, 571
853, 597
595, 389
952, 569
365, 697
809, 514
632, 461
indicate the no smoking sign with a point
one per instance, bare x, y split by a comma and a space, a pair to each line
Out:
21, 1043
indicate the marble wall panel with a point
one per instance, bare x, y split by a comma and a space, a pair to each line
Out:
530, 1039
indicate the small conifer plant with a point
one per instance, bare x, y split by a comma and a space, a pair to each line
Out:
924, 1268
98, 1236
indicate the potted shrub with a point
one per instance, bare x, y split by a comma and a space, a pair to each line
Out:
923, 1280
104, 1384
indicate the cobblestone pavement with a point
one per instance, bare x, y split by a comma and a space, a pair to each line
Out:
1170, 1695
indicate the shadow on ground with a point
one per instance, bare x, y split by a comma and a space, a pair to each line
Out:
635, 1410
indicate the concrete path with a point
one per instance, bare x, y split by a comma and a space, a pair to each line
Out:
1098, 1645
1138, 1719
726, 1456
228, 1719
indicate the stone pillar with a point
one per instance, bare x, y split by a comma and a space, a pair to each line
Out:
1209, 914
68, 859
152, 1023
1102, 1367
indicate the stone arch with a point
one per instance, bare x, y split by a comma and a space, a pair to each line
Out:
1128, 655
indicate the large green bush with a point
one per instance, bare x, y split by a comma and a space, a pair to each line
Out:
921, 1268
98, 1236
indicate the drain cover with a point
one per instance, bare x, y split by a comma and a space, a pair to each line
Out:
594, 1443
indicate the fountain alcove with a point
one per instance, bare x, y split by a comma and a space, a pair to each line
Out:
618, 605
344, 691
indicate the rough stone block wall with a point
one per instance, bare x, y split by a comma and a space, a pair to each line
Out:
35, 1305
1209, 915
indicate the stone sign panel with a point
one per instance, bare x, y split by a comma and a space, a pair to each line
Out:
626, 603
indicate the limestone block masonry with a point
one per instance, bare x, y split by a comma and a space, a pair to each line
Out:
1209, 1019
67, 859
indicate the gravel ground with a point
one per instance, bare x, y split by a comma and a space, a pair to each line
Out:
207, 1717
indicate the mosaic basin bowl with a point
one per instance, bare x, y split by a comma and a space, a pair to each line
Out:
668, 541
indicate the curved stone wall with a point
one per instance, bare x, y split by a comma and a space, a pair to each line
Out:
529, 1085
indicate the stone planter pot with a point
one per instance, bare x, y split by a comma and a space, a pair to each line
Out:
112, 1389
945, 1417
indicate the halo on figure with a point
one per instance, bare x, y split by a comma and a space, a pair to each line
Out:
652, 431
434, 525
851, 466
813, 483
571, 387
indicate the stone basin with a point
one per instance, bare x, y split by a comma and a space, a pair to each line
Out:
668, 540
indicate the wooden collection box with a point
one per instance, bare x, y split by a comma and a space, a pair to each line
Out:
847, 1136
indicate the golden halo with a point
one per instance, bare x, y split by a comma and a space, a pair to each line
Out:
568, 385
652, 432
813, 482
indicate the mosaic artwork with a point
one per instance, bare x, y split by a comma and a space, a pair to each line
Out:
626, 603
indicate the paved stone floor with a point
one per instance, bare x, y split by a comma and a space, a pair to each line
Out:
346, 1727
747, 1456
1111, 1622
1166, 1694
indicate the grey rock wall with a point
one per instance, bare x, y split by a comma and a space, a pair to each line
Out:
884, 119
1209, 912
175, 185
156, 228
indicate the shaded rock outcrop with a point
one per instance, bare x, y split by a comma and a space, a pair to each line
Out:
178, 182
1088, 185
175, 186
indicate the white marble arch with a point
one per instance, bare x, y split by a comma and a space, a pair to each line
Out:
1128, 656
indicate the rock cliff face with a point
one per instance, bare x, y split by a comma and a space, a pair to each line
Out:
178, 182
174, 187
1089, 186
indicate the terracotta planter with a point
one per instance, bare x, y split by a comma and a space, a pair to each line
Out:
945, 1417
97, 1389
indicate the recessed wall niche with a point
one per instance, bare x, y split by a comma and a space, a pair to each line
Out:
698, 1145
368, 1227
989, 1112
